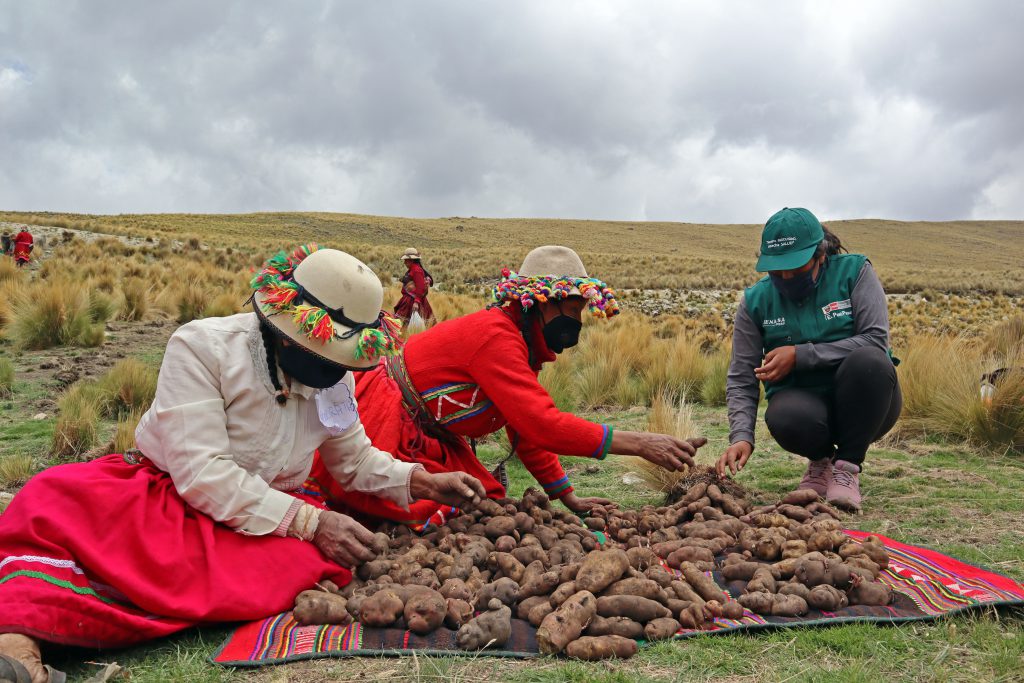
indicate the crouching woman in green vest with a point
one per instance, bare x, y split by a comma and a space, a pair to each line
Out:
816, 332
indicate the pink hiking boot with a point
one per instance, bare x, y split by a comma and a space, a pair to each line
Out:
844, 491
818, 476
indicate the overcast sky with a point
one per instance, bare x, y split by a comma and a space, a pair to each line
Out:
639, 110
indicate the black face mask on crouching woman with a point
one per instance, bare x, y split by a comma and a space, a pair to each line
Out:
304, 367
798, 287
562, 332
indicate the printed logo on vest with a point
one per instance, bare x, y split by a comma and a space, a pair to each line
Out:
774, 322
837, 309
779, 242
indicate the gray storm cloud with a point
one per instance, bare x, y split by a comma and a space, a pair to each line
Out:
713, 111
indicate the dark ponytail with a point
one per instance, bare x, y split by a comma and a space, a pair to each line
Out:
270, 344
831, 245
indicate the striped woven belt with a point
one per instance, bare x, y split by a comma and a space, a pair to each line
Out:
411, 399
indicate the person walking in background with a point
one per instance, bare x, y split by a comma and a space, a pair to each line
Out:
23, 244
416, 284
6, 243
815, 331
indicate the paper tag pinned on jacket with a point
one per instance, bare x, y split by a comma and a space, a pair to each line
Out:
336, 408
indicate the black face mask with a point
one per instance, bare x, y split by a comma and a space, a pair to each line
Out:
798, 287
307, 368
562, 332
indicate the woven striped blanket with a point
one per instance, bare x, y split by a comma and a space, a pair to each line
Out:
926, 584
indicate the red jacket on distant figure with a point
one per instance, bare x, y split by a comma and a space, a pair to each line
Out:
415, 286
469, 377
23, 246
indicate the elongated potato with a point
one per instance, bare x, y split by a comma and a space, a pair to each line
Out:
662, 628
637, 609
601, 569
615, 626
591, 648
566, 623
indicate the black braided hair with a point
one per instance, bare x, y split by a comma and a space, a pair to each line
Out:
524, 329
270, 344
830, 246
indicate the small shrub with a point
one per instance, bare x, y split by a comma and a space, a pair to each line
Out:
15, 470
10, 272
129, 387
712, 391
53, 313
124, 435
77, 421
224, 305
136, 299
101, 306
6, 378
193, 301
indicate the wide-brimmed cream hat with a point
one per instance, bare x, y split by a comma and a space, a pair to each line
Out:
554, 272
554, 261
411, 253
329, 302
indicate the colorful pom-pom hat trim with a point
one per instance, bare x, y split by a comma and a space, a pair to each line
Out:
529, 290
330, 303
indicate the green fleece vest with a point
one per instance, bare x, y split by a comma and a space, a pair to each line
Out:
825, 316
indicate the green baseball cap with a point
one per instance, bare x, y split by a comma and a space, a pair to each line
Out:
788, 240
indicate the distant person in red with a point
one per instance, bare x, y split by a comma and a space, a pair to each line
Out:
23, 243
416, 285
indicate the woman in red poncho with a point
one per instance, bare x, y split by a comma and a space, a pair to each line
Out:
471, 376
416, 284
23, 244
207, 522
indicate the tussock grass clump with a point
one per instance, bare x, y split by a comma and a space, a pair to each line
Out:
193, 301
78, 421
670, 414
54, 313
10, 272
222, 306
129, 387
136, 299
6, 378
15, 470
1006, 339
102, 306
712, 391
124, 435
940, 378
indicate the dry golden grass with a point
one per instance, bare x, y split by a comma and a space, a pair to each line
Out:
78, 421
941, 377
129, 387
124, 435
6, 377
670, 414
955, 256
53, 313
15, 470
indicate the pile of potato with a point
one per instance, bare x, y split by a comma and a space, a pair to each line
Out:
528, 560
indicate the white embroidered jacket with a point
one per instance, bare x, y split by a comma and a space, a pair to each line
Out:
231, 449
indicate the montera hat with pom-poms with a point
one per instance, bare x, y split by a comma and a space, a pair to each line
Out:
329, 302
554, 272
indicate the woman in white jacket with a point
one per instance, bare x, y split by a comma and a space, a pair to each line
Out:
207, 522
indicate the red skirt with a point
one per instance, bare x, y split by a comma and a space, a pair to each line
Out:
107, 554
392, 429
403, 309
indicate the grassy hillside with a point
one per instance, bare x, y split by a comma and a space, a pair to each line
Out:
958, 256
